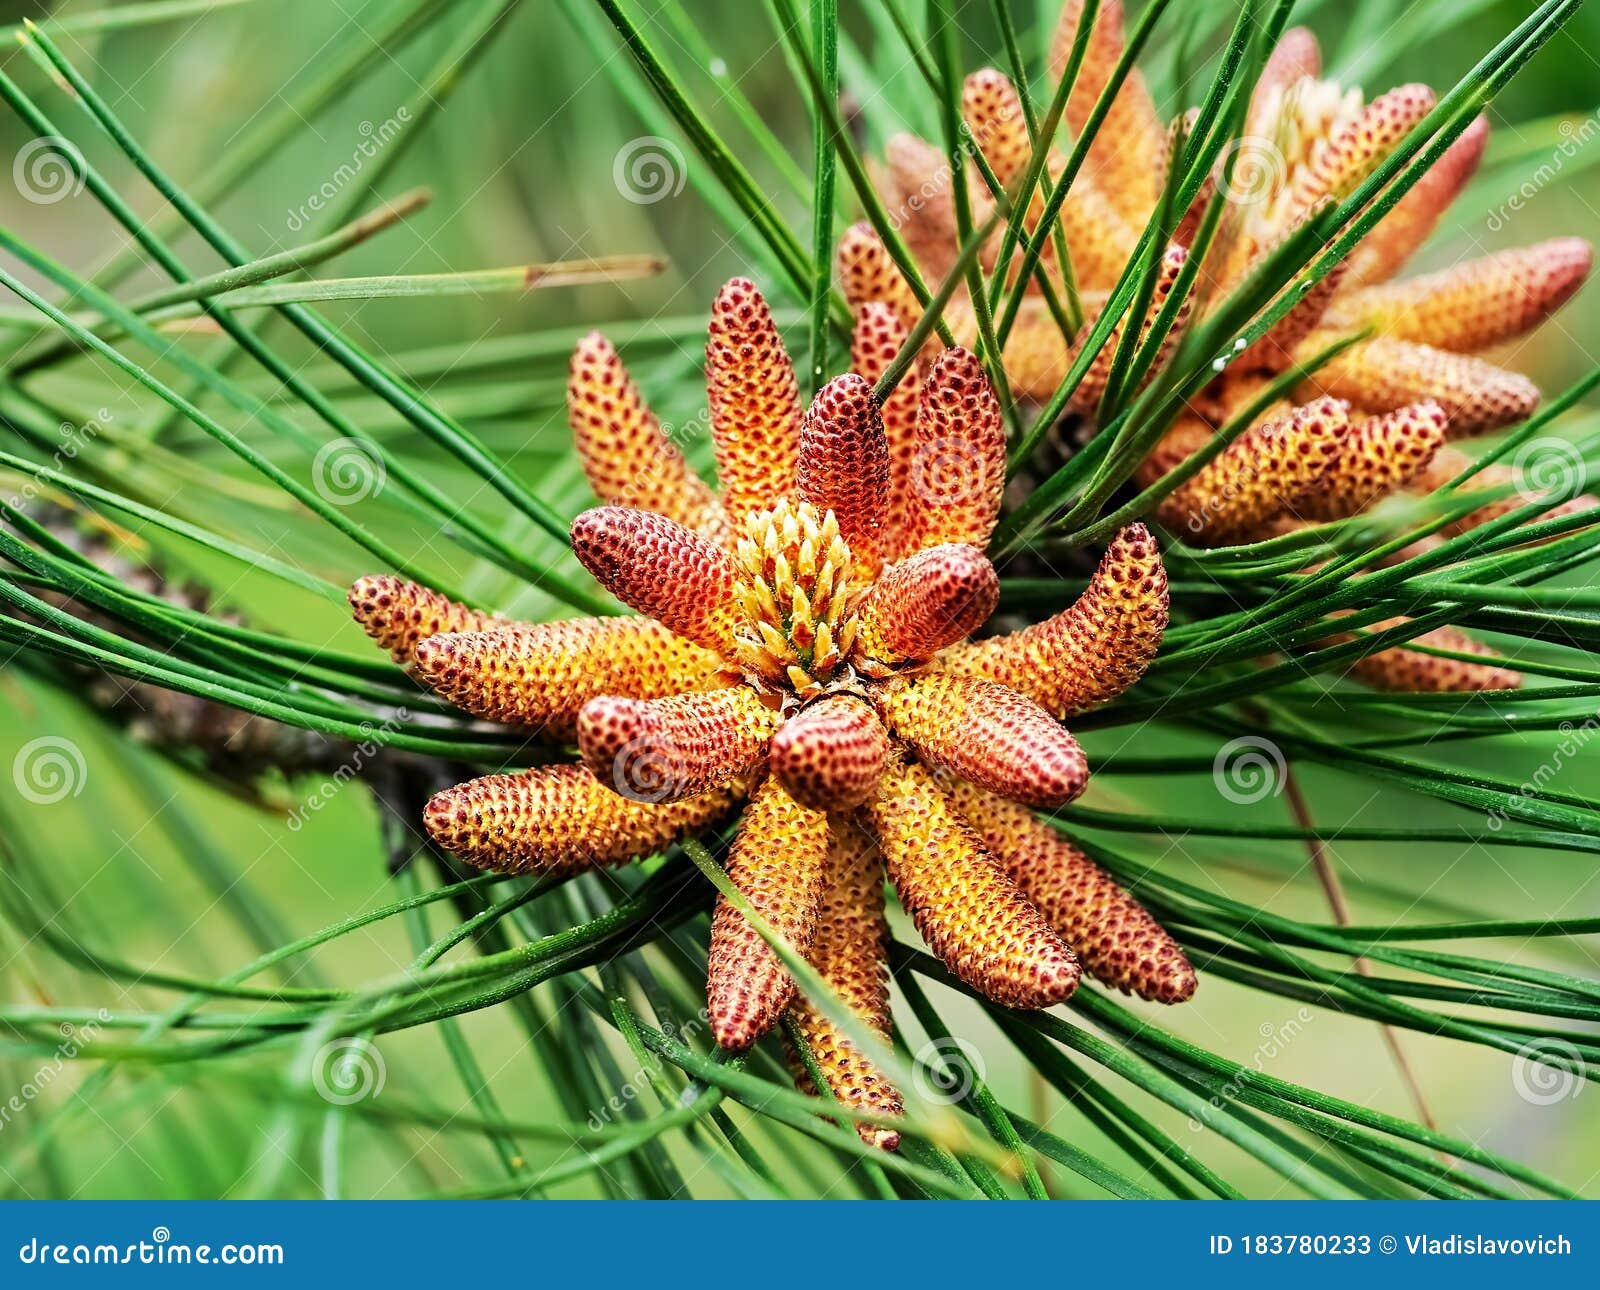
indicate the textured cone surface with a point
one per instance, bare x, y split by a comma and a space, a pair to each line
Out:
993, 113
879, 336
1037, 356
626, 455
398, 614
932, 599
1376, 457
848, 954
557, 820
967, 909
663, 570
867, 273
755, 404
777, 864
1296, 55
542, 674
1092, 651
1404, 669
1114, 936
830, 755
1338, 167
958, 470
1476, 304
1384, 251
1100, 239
1260, 473
844, 463
664, 750
986, 733
1385, 373
1275, 351
1125, 157
1086, 398
920, 175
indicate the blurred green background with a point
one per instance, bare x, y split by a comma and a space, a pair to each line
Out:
179, 876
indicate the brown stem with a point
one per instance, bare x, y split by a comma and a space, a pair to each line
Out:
1328, 877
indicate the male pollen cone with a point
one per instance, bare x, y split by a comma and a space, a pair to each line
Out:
777, 864
848, 954
1404, 669
1376, 457
557, 820
398, 614
663, 570
987, 733
1114, 936
628, 458
928, 601
1385, 250
958, 471
844, 464
830, 756
878, 338
1386, 373
664, 750
1478, 303
1093, 650
754, 402
966, 908
541, 675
